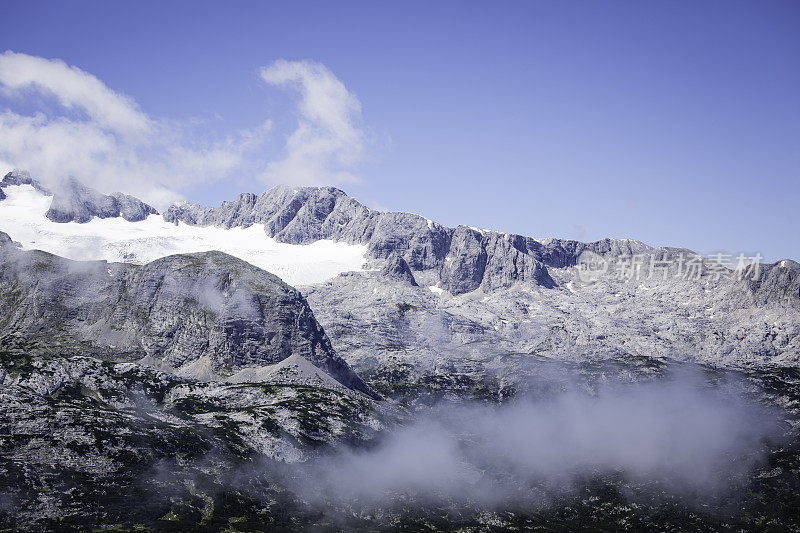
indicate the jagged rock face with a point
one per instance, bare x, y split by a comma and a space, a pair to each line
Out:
17, 177
20, 177
507, 265
422, 244
300, 216
307, 214
385, 327
295, 216
398, 270
491, 261
132, 209
465, 264
485, 259
465, 258
178, 309
779, 282
72, 201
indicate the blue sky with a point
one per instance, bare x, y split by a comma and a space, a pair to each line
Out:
675, 123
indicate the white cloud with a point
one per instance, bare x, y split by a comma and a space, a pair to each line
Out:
327, 144
74, 89
104, 139
5, 168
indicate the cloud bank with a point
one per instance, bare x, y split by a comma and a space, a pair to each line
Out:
327, 142
678, 435
57, 120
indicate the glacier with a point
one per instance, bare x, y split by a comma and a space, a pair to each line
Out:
22, 217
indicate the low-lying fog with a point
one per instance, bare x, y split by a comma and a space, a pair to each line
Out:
681, 432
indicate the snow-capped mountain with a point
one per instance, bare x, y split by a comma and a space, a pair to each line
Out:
378, 281
169, 355
30, 218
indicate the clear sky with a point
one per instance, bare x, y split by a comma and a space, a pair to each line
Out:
674, 122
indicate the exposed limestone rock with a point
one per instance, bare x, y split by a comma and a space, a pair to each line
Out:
177, 309
301, 215
72, 201
397, 269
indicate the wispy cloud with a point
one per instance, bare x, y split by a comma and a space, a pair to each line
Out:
328, 144
72, 124
74, 89
680, 435
5, 167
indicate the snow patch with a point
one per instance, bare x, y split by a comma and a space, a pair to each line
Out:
22, 217
571, 288
436, 290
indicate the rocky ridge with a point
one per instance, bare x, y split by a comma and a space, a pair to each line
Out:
466, 258
183, 311
73, 201
154, 396
488, 289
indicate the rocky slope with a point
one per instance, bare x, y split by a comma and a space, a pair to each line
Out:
397, 335
464, 259
173, 395
127, 387
206, 312
493, 291
436, 296
73, 201
87, 443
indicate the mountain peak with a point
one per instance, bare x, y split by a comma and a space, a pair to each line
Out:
73, 201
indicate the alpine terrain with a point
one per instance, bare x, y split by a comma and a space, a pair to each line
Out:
294, 360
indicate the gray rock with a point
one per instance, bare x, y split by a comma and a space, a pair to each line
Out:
21, 177
397, 269
492, 261
777, 283
488, 260
291, 215
301, 215
721, 320
308, 214
507, 264
465, 264
132, 209
421, 243
73, 201
177, 309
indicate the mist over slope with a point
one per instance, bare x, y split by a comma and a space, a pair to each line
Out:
421, 377
678, 432
201, 315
